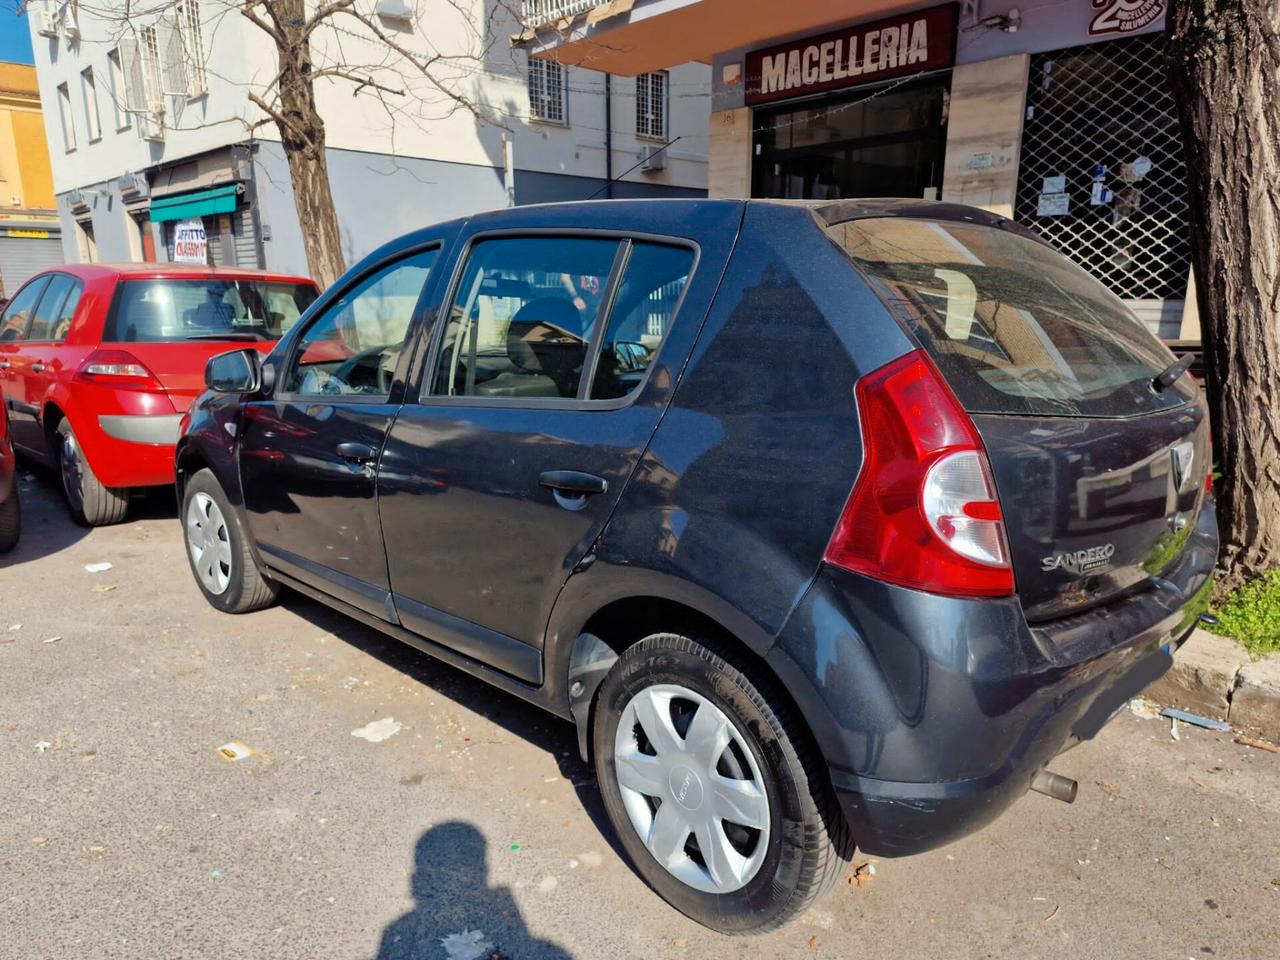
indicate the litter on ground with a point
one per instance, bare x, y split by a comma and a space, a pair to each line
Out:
97, 567
378, 730
1195, 719
467, 945
235, 750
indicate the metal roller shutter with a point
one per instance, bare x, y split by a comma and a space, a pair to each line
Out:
22, 257
240, 249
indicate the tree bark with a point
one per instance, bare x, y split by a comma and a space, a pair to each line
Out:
303, 140
1224, 66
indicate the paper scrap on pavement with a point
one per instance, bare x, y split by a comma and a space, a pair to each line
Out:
467, 945
97, 567
378, 730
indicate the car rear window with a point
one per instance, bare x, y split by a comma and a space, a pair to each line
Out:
205, 308
1014, 327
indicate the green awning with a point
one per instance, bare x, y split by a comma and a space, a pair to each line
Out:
201, 203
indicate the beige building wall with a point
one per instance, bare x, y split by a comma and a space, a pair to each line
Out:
26, 180
729, 154
984, 133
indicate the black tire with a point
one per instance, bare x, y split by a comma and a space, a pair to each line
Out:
809, 842
92, 504
246, 588
10, 521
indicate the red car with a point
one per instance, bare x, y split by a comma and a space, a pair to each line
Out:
10, 514
98, 363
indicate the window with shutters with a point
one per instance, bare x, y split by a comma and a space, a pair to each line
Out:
64, 113
149, 44
651, 105
547, 91
140, 66
184, 65
116, 75
92, 119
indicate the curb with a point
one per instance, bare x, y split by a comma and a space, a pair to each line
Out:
1214, 677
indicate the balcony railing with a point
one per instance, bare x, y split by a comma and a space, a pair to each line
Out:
538, 12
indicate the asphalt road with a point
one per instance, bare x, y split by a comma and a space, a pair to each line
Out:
124, 833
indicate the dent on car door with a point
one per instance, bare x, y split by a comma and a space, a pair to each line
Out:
308, 451
549, 374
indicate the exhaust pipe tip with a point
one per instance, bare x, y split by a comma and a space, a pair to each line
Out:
1055, 785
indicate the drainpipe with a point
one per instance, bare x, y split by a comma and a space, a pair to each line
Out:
608, 136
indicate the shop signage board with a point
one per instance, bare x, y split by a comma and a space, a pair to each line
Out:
190, 245
867, 53
1124, 16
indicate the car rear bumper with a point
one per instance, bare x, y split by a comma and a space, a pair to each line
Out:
148, 429
935, 713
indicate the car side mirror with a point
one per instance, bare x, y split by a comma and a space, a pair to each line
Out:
239, 371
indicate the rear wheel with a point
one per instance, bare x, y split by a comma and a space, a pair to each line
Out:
218, 549
10, 522
718, 796
92, 504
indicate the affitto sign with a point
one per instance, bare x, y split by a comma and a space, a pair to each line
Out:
869, 52
190, 244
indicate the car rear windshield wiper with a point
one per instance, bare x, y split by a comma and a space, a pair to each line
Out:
228, 335
1169, 375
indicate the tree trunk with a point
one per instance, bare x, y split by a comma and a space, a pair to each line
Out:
302, 137
1224, 65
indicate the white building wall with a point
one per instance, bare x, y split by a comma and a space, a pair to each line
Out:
405, 136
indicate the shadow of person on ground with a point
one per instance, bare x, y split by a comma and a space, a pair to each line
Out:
456, 913
532, 724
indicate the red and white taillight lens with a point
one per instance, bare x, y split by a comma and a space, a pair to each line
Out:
117, 368
923, 513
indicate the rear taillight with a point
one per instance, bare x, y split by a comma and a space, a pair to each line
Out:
923, 512
117, 368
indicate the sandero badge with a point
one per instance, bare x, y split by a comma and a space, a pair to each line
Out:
1080, 562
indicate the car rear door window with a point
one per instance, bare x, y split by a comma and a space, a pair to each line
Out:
353, 348
523, 317
1015, 327
52, 318
17, 315
642, 313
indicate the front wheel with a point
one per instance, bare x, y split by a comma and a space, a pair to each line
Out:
719, 797
218, 550
92, 503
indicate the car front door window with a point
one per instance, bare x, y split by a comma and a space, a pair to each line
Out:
17, 315
354, 347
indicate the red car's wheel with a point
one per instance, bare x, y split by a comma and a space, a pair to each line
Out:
92, 503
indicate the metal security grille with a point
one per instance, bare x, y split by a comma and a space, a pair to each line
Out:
1102, 117
546, 90
651, 105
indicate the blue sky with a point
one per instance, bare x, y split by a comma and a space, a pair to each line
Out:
15, 35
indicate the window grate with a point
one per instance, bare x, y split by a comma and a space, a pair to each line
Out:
546, 90
1109, 103
651, 105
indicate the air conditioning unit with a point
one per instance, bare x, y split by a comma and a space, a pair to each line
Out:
151, 125
397, 10
70, 23
652, 158
46, 23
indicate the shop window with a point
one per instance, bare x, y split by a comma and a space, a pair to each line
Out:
651, 105
64, 114
1101, 174
547, 91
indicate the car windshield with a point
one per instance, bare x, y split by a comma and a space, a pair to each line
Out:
1014, 327
206, 308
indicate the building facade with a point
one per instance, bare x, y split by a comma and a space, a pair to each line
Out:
29, 232
155, 135
1055, 113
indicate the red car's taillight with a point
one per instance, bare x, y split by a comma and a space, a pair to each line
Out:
117, 368
923, 512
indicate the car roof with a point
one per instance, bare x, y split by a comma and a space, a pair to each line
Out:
181, 271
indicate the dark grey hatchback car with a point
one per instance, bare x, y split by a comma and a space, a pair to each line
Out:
826, 524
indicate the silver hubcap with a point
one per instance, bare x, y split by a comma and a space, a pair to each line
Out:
208, 542
691, 788
71, 480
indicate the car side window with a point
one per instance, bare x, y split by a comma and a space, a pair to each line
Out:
52, 318
643, 310
523, 317
17, 315
352, 349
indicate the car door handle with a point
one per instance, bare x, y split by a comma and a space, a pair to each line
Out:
573, 482
357, 452
37, 367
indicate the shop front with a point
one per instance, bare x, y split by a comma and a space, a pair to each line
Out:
205, 210
856, 112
